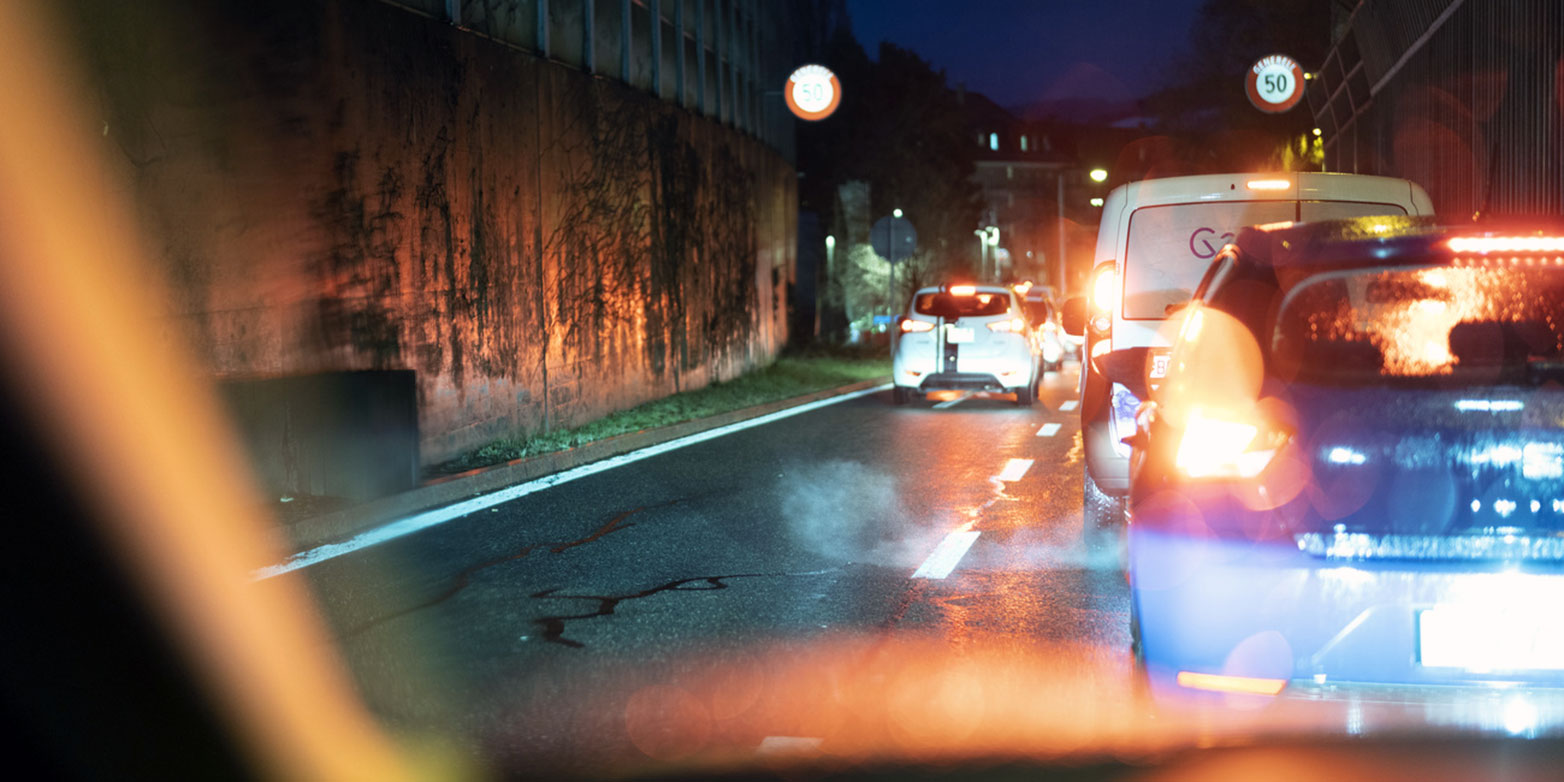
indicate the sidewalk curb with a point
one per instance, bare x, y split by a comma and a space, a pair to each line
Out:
342, 524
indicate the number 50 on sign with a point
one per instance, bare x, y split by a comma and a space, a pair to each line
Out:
1274, 84
813, 92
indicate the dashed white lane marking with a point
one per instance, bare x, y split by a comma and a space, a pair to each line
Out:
953, 402
422, 521
780, 745
947, 554
1049, 430
1069, 405
1015, 470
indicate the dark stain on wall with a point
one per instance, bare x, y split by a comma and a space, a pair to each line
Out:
339, 186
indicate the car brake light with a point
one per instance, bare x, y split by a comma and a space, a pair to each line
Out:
910, 326
1269, 184
1507, 244
1223, 447
1215, 682
1103, 288
1014, 324
963, 290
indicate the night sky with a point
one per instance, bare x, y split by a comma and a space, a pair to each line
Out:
1020, 51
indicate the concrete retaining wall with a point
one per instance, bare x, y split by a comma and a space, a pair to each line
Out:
338, 186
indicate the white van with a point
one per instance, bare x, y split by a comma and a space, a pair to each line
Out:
1156, 240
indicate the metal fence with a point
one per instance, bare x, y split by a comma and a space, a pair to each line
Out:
1465, 97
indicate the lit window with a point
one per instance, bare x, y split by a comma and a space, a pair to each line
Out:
1010, 171
993, 141
1023, 142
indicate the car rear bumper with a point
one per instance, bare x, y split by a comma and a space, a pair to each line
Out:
960, 381
1269, 611
1003, 372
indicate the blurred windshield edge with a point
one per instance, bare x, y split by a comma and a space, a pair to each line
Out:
139, 426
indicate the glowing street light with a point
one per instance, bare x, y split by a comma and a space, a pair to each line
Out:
982, 236
895, 213
1099, 175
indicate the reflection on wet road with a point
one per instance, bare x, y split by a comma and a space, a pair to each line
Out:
759, 588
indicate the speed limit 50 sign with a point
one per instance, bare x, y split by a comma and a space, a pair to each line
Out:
813, 92
1275, 84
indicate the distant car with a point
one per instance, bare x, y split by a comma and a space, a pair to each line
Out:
965, 338
1047, 331
1353, 470
1156, 239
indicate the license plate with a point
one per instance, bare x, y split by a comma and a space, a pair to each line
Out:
1489, 639
954, 334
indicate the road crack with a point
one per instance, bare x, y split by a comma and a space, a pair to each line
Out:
464, 578
553, 627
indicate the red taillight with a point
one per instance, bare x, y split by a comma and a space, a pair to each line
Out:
1507, 244
1105, 288
910, 326
1015, 325
1225, 446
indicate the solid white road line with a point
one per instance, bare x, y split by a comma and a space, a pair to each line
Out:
1049, 430
953, 402
946, 555
422, 521
1015, 470
1069, 405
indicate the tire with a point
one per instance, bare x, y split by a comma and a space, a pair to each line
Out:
1137, 647
1102, 517
1026, 395
901, 395
1139, 677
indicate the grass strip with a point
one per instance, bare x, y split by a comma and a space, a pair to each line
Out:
790, 376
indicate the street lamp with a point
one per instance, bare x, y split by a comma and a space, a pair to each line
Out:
890, 282
1099, 175
830, 279
1097, 201
991, 238
982, 236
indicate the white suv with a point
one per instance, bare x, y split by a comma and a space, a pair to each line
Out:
1156, 240
965, 338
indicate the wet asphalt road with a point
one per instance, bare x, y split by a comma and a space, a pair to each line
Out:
531, 629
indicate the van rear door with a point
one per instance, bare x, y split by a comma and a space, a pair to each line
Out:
1169, 248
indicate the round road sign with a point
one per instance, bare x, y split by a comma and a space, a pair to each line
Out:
812, 92
1274, 84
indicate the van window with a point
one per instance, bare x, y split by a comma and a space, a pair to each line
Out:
1309, 211
1171, 246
